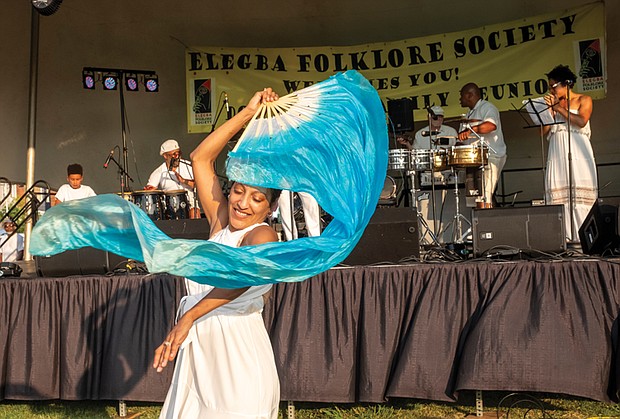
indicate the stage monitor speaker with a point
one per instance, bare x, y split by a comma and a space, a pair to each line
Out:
391, 235
400, 112
10, 269
84, 261
185, 228
599, 231
498, 231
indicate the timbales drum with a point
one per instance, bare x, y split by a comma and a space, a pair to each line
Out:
468, 156
399, 159
435, 160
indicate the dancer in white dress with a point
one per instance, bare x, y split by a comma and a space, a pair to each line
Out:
584, 180
225, 367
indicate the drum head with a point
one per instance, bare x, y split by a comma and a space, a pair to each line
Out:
389, 188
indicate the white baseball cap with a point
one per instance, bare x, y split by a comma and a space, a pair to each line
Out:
438, 110
168, 145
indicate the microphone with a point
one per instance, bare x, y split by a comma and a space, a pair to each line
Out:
107, 161
174, 162
227, 107
430, 110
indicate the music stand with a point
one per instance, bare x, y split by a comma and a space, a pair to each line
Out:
540, 116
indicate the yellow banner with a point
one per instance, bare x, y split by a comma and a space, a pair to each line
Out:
508, 61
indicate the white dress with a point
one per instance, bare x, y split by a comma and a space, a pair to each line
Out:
584, 172
225, 368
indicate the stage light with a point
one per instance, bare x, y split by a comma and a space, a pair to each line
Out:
110, 81
88, 80
151, 82
46, 7
131, 82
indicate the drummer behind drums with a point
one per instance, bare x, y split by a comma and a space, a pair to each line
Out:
483, 119
174, 174
435, 136
444, 136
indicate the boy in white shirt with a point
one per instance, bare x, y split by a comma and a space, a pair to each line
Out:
74, 189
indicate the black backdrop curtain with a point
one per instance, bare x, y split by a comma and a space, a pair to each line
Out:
358, 334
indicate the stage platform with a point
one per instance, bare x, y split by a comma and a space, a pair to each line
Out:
358, 334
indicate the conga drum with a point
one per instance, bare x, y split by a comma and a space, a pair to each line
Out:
150, 201
176, 205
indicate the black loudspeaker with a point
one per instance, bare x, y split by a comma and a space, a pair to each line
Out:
400, 112
599, 231
391, 235
9, 269
498, 231
185, 229
91, 261
84, 261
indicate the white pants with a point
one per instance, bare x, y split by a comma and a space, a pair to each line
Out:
491, 175
311, 214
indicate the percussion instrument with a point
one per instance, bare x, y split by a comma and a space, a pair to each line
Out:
175, 205
399, 159
472, 155
389, 189
150, 201
441, 179
435, 160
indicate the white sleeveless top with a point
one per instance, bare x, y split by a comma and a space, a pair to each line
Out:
557, 128
249, 302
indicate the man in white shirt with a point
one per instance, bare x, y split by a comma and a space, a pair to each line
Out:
174, 174
443, 135
74, 189
12, 247
439, 137
485, 122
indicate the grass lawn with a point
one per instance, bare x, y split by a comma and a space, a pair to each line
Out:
519, 406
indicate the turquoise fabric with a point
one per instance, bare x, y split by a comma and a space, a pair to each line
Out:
335, 149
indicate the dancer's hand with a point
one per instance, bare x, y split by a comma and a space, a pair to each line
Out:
264, 96
168, 350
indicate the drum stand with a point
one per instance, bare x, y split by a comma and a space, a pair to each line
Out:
457, 226
414, 206
482, 143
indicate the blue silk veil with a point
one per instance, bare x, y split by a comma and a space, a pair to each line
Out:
332, 143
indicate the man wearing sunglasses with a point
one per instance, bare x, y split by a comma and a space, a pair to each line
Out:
11, 242
175, 173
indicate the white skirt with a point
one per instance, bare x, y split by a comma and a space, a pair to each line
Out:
225, 370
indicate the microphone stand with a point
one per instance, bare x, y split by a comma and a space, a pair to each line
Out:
217, 117
123, 175
188, 165
571, 195
433, 147
293, 223
219, 112
123, 170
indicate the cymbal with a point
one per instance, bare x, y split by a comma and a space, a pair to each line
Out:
462, 119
